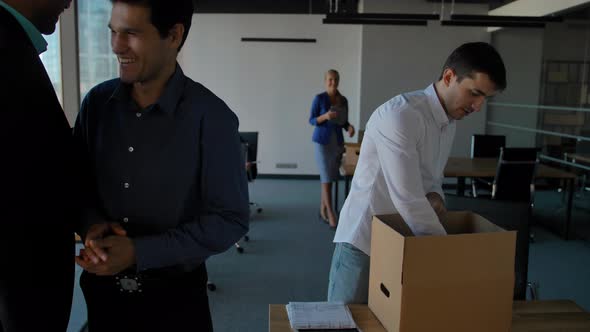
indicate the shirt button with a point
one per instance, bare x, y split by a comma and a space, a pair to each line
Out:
130, 149
125, 219
126, 185
138, 115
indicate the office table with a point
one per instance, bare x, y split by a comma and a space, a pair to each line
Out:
462, 168
575, 157
531, 316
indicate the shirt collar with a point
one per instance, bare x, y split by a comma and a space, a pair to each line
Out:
170, 97
34, 35
438, 112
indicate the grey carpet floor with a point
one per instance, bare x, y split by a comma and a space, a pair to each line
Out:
289, 253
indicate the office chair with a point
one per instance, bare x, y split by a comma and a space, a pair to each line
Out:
251, 143
485, 146
239, 248
515, 175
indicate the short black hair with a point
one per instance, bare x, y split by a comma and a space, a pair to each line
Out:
477, 57
164, 14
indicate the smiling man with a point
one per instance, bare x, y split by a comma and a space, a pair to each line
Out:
167, 186
400, 168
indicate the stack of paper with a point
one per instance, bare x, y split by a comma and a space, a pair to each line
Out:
319, 315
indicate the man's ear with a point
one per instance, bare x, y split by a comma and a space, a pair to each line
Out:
175, 34
447, 76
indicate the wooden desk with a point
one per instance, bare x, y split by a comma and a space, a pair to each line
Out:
462, 168
485, 167
349, 161
549, 316
347, 171
532, 316
575, 157
278, 321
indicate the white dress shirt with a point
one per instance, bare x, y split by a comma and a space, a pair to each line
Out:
404, 151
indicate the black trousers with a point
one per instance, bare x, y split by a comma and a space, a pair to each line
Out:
36, 293
25, 308
167, 302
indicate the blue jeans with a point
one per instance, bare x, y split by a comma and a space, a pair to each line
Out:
349, 275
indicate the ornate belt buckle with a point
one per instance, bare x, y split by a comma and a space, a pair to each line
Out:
129, 284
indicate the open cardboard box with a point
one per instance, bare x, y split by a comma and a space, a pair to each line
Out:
463, 281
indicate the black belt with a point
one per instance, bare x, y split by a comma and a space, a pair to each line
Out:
131, 281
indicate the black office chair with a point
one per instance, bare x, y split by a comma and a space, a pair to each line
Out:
251, 142
485, 146
515, 175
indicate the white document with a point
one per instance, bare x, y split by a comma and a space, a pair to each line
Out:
319, 315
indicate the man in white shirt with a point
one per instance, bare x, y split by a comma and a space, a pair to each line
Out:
400, 169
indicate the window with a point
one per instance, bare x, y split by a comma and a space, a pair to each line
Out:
52, 61
97, 61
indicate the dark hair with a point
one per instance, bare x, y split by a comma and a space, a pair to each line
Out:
477, 57
164, 14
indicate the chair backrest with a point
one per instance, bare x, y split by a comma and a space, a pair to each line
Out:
487, 146
515, 174
250, 139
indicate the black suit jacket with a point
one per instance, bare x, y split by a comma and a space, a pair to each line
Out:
38, 204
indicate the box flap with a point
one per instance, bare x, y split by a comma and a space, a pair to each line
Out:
466, 222
397, 223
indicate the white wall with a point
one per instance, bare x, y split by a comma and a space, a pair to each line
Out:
397, 59
522, 50
270, 86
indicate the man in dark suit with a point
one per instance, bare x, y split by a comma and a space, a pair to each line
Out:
37, 176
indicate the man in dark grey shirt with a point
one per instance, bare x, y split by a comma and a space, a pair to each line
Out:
167, 185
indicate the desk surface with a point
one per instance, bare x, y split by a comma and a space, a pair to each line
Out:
478, 167
486, 167
585, 157
531, 316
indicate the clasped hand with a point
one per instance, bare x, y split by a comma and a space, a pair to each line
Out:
107, 250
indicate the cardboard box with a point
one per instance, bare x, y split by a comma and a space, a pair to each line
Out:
463, 281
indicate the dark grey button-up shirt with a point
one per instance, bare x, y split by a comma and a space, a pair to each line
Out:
171, 174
